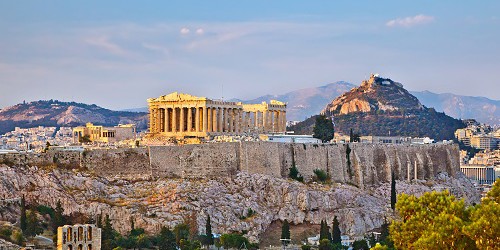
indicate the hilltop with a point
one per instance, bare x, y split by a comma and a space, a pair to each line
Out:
56, 113
381, 106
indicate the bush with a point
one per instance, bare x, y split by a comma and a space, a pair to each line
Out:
233, 241
321, 175
305, 247
294, 174
46, 210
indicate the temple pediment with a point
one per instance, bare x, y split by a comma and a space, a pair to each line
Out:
176, 97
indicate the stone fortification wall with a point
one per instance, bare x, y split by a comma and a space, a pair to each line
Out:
370, 164
65, 159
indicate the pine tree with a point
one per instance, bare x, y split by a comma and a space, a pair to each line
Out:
58, 217
285, 230
323, 128
23, 215
393, 191
33, 226
336, 232
208, 232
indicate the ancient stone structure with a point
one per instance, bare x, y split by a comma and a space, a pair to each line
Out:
182, 115
79, 237
96, 133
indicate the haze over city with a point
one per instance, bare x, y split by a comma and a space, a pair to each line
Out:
118, 53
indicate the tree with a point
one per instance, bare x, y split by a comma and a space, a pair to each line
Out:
181, 232
132, 224
325, 244
166, 239
432, 221
351, 136
233, 241
379, 247
285, 230
59, 220
23, 214
323, 128
484, 229
108, 235
324, 232
393, 191
33, 226
336, 239
209, 237
360, 245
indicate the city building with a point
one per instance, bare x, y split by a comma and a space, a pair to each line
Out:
79, 237
484, 142
96, 133
180, 115
479, 173
292, 138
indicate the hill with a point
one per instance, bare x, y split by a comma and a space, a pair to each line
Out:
381, 106
480, 108
55, 113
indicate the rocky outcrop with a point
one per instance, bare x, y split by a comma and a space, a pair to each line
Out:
154, 203
374, 94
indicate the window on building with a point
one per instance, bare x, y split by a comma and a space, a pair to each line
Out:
70, 233
80, 233
89, 234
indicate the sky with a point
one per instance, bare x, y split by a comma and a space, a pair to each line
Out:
116, 54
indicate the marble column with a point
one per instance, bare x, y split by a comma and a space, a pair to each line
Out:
190, 120
205, 123
197, 119
219, 120
209, 119
181, 120
215, 119
174, 119
167, 120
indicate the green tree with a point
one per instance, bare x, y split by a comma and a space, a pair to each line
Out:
108, 235
432, 221
323, 128
393, 191
324, 232
360, 245
33, 226
181, 232
336, 231
166, 239
321, 175
484, 228
379, 247
294, 174
59, 220
189, 245
23, 215
325, 244
285, 230
208, 239
233, 241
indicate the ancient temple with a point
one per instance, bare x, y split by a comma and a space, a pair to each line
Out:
181, 115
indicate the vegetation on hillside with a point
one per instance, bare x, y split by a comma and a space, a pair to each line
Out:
417, 123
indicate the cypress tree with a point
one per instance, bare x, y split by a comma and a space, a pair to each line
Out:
393, 191
208, 232
23, 222
285, 230
336, 232
324, 232
58, 217
351, 136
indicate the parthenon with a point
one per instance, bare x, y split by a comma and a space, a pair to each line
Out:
181, 115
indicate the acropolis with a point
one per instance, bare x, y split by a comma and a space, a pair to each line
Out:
180, 115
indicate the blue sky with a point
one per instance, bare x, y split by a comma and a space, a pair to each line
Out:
119, 53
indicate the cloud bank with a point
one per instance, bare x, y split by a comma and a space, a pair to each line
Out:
410, 21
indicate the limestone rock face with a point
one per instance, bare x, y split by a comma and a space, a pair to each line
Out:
374, 94
157, 202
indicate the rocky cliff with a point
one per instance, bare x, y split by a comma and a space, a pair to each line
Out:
56, 113
166, 201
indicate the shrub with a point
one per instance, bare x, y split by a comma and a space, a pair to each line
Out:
294, 174
305, 247
321, 175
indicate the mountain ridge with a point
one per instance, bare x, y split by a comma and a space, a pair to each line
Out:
56, 113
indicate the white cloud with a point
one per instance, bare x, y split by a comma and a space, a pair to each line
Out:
104, 43
200, 31
185, 31
410, 21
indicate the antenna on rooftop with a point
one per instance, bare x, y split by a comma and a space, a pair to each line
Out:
222, 92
